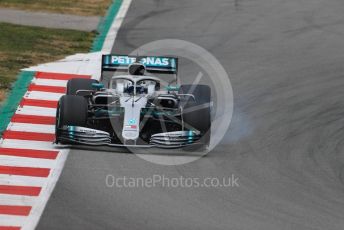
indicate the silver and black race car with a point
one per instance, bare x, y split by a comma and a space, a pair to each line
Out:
135, 109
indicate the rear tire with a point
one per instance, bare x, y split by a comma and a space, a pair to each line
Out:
76, 84
71, 111
199, 119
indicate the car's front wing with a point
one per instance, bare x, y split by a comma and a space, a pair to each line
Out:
93, 137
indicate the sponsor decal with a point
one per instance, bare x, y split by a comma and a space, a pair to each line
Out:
148, 61
131, 124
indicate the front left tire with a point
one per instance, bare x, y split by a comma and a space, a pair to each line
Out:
71, 111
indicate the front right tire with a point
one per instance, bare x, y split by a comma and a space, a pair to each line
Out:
196, 113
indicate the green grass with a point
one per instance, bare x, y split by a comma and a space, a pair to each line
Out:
78, 7
24, 46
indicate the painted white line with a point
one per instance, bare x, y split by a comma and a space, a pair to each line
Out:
23, 144
49, 82
26, 162
43, 95
37, 128
17, 200
29, 145
84, 64
7, 220
37, 111
116, 24
22, 180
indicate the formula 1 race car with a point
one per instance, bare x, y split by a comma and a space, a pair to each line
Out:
136, 109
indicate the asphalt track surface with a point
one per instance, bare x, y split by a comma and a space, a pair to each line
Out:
285, 142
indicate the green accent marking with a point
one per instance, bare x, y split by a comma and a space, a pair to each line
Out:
172, 88
71, 131
105, 25
18, 90
190, 137
98, 85
108, 60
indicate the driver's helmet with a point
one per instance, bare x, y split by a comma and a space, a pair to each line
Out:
137, 69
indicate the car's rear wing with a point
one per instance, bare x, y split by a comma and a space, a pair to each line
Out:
154, 64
